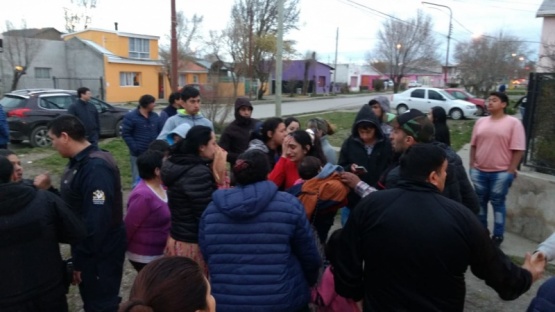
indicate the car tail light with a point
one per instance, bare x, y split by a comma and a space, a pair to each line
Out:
20, 112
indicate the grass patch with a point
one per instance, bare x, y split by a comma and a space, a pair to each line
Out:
116, 146
461, 132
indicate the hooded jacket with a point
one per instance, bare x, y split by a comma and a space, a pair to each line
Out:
190, 185
386, 108
183, 117
441, 130
353, 151
32, 224
259, 248
261, 146
235, 138
442, 238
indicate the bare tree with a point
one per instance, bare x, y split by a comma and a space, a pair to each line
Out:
546, 62
309, 61
20, 48
406, 45
188, 31
254, 24
78, 15
486, 61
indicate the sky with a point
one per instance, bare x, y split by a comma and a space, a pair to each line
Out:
358, 21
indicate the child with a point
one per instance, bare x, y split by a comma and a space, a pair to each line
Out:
308, 168
324, 296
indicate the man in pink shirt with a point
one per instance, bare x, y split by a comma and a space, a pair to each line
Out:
496, 149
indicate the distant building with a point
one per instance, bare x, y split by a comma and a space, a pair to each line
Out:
546, 59
318, 76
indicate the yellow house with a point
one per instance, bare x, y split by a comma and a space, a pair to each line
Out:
127, 63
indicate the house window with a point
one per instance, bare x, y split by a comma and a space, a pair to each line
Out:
195, 79
182, 80
42, 72
139, 48
354, 82
129, 79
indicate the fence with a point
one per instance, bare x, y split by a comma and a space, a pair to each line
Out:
539, 122
96, 85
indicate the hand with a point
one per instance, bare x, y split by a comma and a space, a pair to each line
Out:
535, 265
42, 181
513, 172
350, 179
354, 168
76, 278
284, 146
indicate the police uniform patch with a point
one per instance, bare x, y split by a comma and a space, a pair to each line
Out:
98, 197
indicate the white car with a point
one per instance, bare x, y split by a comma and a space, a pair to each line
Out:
424, 99
414, 84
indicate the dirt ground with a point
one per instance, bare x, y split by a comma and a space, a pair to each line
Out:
479, 296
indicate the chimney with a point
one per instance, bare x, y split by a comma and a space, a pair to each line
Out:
116, 25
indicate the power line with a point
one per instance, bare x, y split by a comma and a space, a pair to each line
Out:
499, 7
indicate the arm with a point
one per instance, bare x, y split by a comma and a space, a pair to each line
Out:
277, 175
515, 160
547, 247
361, 188
127, 134
472, 157
344, 159
468, 195
225, 143
97, 189
71, 110
70, 229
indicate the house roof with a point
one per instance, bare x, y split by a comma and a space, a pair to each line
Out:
546, 9
112, 58
119, 33
29, 32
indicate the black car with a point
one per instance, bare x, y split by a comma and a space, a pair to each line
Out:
29, 112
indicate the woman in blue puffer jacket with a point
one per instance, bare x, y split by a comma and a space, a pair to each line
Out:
257, 242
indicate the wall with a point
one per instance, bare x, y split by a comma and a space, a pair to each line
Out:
85, 63
548, 36
530, 205
120, 94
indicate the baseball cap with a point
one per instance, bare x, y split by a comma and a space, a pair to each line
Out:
416, 124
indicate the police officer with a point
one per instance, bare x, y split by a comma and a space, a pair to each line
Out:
91, 186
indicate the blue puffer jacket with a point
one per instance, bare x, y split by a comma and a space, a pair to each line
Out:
260, 250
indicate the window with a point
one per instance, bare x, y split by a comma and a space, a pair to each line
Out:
418, 93
100, 107
459, 95
195, 78
55, 102
182, 80
139, 48
42, 72
321, 81
129, 79
354, 81
433, 95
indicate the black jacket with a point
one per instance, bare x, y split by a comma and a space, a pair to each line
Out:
354, 151
190, 186
32, 224
457, 184
407, 249
88, 114
236, 136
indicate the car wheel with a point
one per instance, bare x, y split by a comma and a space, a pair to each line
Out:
402, 108
16, 141
479, 111
118, 128
39, 137
456, 114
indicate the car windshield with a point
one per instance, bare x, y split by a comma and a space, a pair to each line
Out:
11, 101
447, 95
468, 94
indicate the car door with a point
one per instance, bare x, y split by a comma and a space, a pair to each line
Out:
434, 99
417, 99
107, 120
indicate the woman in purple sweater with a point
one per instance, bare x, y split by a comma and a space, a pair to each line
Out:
148, 217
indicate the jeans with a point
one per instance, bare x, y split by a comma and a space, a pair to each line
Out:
345, 212
134, 170
492, 187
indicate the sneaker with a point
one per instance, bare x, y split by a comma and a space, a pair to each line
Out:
497, 240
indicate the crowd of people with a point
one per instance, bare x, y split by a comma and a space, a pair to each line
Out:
244, 223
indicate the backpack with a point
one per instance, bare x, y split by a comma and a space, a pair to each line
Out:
323, 196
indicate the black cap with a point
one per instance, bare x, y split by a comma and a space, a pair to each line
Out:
416, 124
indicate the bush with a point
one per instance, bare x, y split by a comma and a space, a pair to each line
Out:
363, 88
378, 84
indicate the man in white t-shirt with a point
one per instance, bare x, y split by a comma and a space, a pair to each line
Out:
497, 145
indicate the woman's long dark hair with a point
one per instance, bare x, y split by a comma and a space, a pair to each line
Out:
168, 284
303, 138
195, 138
440, 125
261, 130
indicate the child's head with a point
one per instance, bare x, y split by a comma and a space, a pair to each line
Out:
331, 246
309, 167
367, 132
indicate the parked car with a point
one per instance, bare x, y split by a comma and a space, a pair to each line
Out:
29, 112
462, 94
414, 84
424, 99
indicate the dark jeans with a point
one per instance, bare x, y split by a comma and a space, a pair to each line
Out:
46, 303
138, 266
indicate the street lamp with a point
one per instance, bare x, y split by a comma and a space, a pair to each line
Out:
448, 36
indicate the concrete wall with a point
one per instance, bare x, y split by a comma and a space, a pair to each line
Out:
548, 37
82, 62
531, 206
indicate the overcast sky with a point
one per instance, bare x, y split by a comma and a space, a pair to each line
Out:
319, 20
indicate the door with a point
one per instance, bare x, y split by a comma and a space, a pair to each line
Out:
417, 99
434, 99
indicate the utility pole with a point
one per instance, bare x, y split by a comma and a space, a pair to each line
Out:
279, 58
335, 63
448, 37
173, 74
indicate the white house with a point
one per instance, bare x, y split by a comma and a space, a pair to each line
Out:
546, 59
